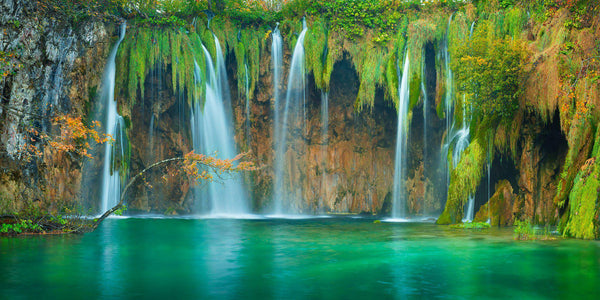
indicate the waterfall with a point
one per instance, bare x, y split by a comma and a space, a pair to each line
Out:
111, 181
292, 114
277, 60
489, 168
425, 106
399, 197
212, 134
247, 91
151, 138
448, 105
471, 29
449, 109
470, 210
461, 140
325, 143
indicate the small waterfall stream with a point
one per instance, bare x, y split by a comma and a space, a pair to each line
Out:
247, 96
461, 140
277, 64
212, 135
398, 193
325, 143
111, 179
293, 114
425, 111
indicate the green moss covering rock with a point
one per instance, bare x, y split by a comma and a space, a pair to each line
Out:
463, 183
499, 208
583, 219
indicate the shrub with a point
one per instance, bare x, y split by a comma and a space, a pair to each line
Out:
489, 72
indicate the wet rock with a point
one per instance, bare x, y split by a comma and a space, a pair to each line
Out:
499, 208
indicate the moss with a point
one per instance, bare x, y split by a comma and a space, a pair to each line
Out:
473, 225
391, 77
498, 209
415, 90
208, 40
246, 45
290, 29
445, 219
457, 33
583, 198
370, 64
315, 45
393, 64
578, 139
464, 180
419, 32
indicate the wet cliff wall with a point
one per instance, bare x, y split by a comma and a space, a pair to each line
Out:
51, 66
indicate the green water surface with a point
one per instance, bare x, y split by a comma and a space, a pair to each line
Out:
333, 258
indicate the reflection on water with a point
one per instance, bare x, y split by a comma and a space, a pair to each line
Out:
286, 258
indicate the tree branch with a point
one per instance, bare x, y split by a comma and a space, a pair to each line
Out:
129, 184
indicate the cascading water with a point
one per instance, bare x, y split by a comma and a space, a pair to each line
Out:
277, 62
247, 91
470, 210
398, 195
489, 168
151, 137
461, 140
448, 105
292, 114
456, 140
425, 106
324, 136
111, 180
212, 134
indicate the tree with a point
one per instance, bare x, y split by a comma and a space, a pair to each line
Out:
198, 167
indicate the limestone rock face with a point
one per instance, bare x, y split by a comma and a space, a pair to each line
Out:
351, 170
544, 150
54, 70
499, 208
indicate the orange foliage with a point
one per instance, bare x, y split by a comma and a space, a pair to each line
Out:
201, 167
74, 137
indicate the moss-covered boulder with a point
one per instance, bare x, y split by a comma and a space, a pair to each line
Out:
499, 209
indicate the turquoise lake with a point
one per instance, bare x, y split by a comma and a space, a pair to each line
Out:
318, 258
